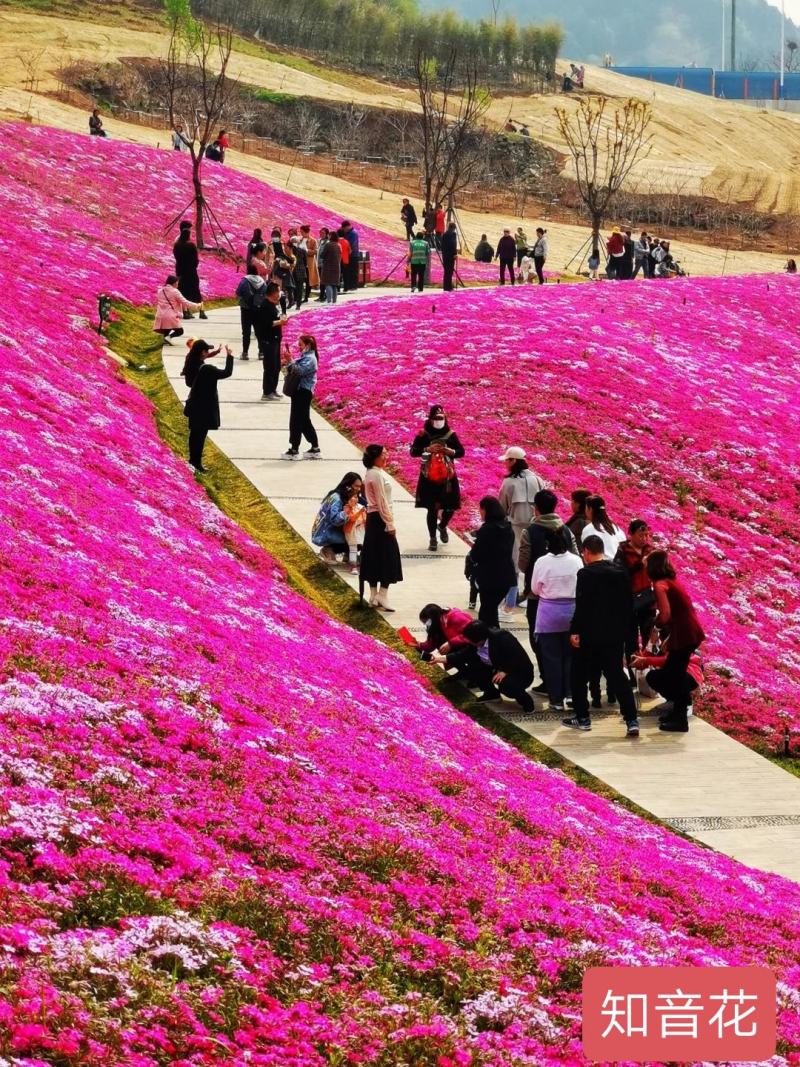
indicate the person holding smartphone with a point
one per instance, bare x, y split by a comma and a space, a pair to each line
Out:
202, 404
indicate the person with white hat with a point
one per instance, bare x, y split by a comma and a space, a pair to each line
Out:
516, 495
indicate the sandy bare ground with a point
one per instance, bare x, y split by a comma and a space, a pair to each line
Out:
701, 145
373, 206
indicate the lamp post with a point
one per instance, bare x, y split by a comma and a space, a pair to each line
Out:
783, 42
733, 35
722, 60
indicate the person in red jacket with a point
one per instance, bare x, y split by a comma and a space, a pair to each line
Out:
444, 627
439, 225
615, 247
678, 620
632, 557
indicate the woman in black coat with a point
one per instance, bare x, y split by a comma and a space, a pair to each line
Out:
187, 260
202, 404
491, 560
438, 490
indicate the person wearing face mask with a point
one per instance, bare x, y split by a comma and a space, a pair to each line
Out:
438, 490
443, 628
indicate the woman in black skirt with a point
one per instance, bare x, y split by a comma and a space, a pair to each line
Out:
437, 488
380, 554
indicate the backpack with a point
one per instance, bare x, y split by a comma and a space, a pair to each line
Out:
258, 297
438, 467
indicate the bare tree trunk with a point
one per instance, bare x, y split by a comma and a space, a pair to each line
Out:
198, 202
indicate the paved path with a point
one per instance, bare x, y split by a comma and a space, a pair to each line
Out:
702, 782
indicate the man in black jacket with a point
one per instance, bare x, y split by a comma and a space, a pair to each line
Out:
603, 606
449, 253
409, 217
499, 664
507, 254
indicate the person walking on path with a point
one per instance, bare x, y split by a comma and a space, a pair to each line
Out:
507, 254
501, 665
597, 634
170, 305
490, 560
304, 368
419, 258
600, 525
187, 261
251, 292
449, 255
409, 217
553, 583
438, 490
273, 323
381, 565
678, 620
517, 493
202, 405
520, 244
541, 248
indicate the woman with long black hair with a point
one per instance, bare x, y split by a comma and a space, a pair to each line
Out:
599, 523
438, 490
202, 404
491, 559
682, 635
380, 555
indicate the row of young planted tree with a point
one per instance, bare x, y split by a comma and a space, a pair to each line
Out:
385, 37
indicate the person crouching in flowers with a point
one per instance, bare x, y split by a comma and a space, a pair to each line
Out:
202, 404
437, 487
340, 522
170, 306
380, 556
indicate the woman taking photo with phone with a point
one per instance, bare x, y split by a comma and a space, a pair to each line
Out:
202, 404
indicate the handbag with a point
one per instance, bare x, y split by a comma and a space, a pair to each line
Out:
291, 381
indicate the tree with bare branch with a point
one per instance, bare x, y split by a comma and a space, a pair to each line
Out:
196, 87
604, 148
453, 99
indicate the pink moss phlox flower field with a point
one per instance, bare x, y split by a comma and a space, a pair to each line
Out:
677, 401
233, 831
125, 218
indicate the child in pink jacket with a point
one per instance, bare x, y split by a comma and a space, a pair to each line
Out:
170, 306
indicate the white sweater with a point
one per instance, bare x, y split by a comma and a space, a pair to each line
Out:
378, 491
611, 541
555, 577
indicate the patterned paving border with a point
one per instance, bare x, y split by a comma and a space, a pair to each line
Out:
699, 824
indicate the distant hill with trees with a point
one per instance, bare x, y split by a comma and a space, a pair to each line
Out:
384, 36
660, 32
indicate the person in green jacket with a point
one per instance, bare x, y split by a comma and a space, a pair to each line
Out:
419, 256
521, 241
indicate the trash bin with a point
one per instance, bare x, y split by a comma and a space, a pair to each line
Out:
364, 269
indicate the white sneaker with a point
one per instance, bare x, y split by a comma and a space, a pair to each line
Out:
313, 453
291, 454
271, 396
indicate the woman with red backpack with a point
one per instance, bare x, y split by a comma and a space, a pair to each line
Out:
438, 490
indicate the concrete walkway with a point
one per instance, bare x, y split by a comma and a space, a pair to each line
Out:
703, 782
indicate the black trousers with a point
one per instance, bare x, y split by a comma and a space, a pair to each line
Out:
434, 517
478, 673
300, 420
538, 262
418, 276
531, 607
409, 231
197, 440
176, 331
272, 367
520, 256
673, 682
448, 266
588, 661
506, 265
350, 275
490, 602
253, 320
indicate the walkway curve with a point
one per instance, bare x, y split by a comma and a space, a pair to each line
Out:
703, 782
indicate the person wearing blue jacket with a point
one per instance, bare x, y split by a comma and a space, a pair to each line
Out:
350, 270
335, 516
305, 366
